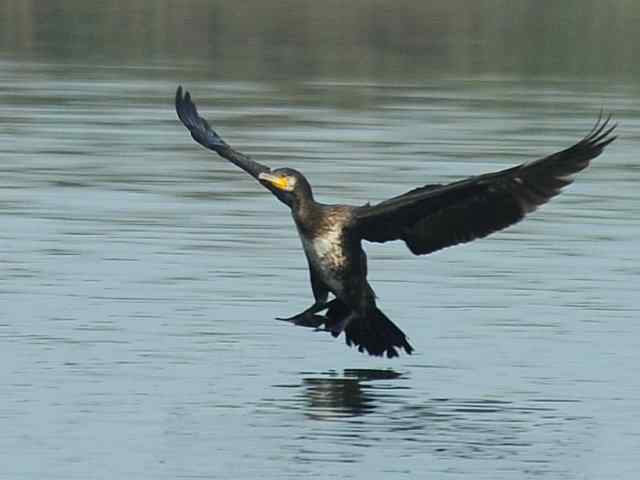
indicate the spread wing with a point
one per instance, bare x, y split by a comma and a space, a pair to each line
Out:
437, 216
207, 137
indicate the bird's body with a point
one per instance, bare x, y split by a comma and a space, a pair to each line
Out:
427, 219
338, 265
331, 250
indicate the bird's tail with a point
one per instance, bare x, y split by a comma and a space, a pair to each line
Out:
375, 333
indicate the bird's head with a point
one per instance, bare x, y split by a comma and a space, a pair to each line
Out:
288, 185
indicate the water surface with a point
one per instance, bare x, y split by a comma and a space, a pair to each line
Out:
141, 275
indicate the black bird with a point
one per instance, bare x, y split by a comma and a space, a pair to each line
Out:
427, 218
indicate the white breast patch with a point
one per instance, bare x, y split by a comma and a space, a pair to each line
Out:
326, 254
327, 247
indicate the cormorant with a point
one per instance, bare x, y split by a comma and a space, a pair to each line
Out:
426, 218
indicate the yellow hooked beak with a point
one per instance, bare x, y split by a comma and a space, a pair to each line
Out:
280, 183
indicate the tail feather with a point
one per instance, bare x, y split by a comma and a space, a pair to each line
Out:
375, 333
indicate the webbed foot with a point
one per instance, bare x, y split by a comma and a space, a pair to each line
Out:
308, 318
335, 328
305, 320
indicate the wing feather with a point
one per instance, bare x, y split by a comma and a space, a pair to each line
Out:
437, 216
202, 133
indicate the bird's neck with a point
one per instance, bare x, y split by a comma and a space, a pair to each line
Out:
304, 211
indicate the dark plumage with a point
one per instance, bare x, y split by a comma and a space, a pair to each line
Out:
427, 219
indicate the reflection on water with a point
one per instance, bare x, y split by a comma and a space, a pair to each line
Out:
347, 395
141, 275
436, 428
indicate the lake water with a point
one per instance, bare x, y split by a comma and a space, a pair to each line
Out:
141, 275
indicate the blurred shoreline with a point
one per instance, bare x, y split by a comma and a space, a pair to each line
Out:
306, 39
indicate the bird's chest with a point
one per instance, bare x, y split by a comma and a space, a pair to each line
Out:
328, 256
326, 249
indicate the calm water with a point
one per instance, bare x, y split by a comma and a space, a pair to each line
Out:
141, 274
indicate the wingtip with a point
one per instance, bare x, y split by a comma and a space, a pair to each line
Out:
602, 136
601, 131
180, 104
183, 97
178, 97
185, 108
